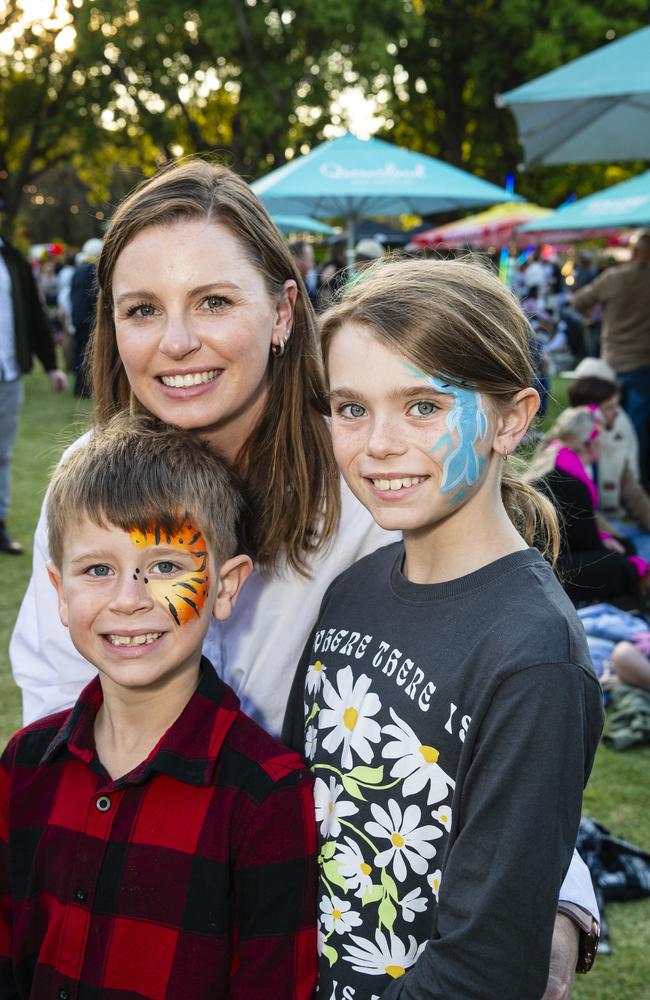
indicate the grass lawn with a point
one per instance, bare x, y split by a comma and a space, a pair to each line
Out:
618, 794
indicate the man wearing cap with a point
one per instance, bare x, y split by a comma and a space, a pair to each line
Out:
24, 332
368, 250
624, 294
621, 494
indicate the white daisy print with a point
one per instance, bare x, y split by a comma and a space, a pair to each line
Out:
353, 867
328, 809
414, 902
349, 714
443, 816
337, 915
417, 762
311, 739
315, 676
434, 882
384, 957
407, 841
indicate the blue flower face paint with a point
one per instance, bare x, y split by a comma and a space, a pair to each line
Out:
466, 425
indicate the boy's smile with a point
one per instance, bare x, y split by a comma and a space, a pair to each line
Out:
135, 602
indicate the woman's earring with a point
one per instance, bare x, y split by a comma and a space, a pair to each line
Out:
277, 350
505, 455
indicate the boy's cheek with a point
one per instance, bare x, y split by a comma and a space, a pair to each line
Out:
184, 598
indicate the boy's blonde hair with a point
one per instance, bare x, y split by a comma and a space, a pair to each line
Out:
454, 319
137, 472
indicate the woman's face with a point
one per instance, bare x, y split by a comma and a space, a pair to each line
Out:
194, 324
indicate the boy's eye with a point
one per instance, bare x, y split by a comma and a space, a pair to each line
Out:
423, 408
165, 567
351, 410
100, 570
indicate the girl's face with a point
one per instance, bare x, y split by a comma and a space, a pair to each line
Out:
411, 447
194, 325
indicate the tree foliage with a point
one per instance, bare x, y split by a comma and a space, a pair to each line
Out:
125, 85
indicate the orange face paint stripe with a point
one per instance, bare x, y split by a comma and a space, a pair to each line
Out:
180, 607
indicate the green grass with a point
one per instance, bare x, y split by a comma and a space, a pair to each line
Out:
618, 794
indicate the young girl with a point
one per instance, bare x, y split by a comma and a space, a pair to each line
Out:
451, 713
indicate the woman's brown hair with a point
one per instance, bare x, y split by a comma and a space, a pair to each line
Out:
454, 319
287, 465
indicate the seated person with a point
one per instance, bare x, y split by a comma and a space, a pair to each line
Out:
156, 842
621, 493
592, 564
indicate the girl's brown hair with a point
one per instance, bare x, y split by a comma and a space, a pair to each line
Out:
290, 477
456, 319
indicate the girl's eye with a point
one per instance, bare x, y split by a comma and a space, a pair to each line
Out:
423, 408
351, 410
99, 570
165, 568
143, 310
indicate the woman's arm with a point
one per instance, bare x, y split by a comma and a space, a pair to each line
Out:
46, 666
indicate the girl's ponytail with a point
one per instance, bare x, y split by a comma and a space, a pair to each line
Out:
533, 515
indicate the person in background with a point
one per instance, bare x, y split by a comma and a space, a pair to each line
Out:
64, 305
621, 494
24, 332
83, 297
624, 294
592, 564
367, 251
303, 252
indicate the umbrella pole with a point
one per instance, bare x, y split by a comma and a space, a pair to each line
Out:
350, 255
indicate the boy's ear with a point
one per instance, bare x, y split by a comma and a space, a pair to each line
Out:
232, 576
515, 420
55, 576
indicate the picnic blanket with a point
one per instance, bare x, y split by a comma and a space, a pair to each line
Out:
618, 870
628, 721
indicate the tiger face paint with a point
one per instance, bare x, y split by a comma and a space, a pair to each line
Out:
183, 597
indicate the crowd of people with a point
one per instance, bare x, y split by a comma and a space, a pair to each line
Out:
282, 528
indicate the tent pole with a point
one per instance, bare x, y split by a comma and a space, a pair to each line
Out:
350, 255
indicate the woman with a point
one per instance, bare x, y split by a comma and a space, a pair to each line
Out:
592, 564
203, 320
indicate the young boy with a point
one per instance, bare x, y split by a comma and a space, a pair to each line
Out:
155, 843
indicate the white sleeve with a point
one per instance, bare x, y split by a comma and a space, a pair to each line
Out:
46, 666
578, 887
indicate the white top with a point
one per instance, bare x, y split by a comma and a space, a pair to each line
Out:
256, 650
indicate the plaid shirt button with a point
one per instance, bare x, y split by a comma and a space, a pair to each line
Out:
64, 995
103, 803
81, 895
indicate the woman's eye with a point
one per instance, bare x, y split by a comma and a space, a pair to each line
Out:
142, 311
100, 570
213, 302
423, 408
352, 410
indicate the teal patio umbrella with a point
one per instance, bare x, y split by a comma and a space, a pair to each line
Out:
594, 109
353, 178
623, 206
302, 224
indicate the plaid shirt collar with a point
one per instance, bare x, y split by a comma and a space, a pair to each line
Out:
187, 751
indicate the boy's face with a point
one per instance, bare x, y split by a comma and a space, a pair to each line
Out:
138, 605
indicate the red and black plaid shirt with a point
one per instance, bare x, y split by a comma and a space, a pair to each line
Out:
192, 877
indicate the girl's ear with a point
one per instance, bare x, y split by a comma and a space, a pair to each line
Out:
55, 578
232, 576
514, 420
